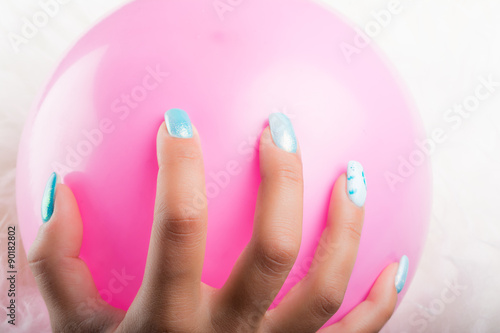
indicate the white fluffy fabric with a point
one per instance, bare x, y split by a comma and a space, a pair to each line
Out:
439, 47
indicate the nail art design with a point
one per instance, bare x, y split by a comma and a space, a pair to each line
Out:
282, 132
48, 198
178, 124
356, 183
401, 274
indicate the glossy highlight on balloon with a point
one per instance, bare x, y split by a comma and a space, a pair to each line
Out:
95, 123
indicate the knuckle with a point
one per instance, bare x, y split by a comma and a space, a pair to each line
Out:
38, 264
352, 229
37, 253
327, 301
186, 153
277, 256
33, 256
289, 175
180, 225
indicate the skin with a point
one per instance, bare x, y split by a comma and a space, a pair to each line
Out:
172, 297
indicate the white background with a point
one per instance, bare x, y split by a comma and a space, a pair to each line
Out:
440, 47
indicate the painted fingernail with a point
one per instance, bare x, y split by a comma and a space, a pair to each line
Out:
401, 274
356, 183
282, 132
48, 198
178, 124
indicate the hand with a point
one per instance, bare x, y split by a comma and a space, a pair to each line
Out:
172, 297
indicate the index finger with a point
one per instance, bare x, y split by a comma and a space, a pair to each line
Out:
177, 246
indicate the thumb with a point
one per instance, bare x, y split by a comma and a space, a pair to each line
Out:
63, 278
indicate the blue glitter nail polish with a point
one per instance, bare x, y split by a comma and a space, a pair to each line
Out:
49, 198
400, 279
178, 124
282, 132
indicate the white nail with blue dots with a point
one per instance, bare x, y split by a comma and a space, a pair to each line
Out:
356, 183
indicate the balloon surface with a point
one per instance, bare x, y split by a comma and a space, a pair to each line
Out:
228, 65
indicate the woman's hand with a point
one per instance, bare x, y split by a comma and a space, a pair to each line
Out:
172, 297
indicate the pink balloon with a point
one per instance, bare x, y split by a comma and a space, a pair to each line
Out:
229, 65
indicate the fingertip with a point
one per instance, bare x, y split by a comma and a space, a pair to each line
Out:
62, 232
162, 135
162, 129
339, 188
267, 146
265, 139
166, 142
341, 202
372, 314
383, 296
67, 211
384, 284
58, 201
